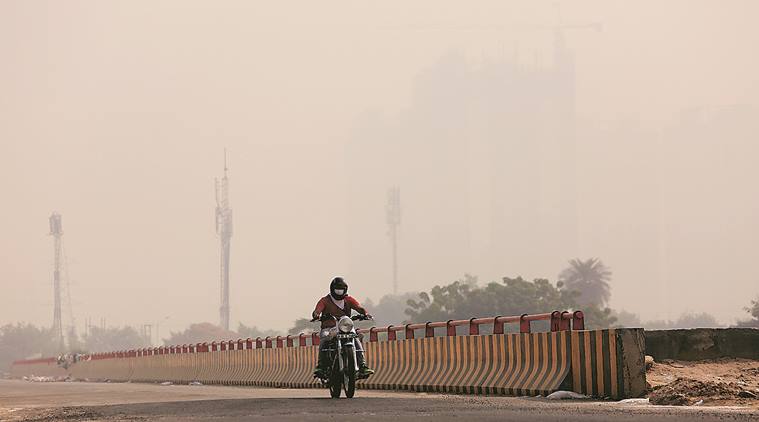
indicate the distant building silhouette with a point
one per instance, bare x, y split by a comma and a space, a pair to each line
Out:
486, 157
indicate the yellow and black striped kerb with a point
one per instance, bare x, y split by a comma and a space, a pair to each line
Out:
608, 363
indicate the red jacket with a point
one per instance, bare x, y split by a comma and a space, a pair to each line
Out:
325, 306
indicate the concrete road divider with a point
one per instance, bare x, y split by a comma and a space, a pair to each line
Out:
513, 364
609, 363
598, 363
45, 367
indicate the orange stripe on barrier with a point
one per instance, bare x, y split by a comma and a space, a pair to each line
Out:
588, 364
498, 358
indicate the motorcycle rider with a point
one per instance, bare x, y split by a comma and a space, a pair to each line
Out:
337, 303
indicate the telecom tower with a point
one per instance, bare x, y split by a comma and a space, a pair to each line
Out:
224, 230
393, 209
56, 230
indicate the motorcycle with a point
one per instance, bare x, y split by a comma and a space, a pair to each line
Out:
340, 347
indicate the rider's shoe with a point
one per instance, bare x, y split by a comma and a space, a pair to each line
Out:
320, 373
364, 371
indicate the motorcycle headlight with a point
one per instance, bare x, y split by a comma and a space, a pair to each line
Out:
345, 325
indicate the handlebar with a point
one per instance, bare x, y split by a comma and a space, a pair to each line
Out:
354, 318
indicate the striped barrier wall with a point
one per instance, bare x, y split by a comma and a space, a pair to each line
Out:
116, 369
602, 363
268, 367
608, 363
45, 367
512, 364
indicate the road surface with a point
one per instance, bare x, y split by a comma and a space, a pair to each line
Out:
80, 401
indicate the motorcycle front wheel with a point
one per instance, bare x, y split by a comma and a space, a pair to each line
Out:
335, 380
349, 376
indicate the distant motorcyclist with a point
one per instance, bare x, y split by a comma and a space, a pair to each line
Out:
337, 304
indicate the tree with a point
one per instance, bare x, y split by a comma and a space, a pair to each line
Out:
697, 320
391, 309
23, 341
627, 319
752, 310
303, 325
114, 338
590, 278
200, 333
597, 318
512, 296
205, 332
684, 321
442, 303
253, 332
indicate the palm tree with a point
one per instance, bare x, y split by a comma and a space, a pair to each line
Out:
590, 278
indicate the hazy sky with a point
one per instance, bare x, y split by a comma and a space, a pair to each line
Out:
115, 114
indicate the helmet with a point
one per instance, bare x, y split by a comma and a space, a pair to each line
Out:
338, 288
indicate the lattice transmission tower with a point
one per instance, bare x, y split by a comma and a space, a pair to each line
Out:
56, 230
224, 230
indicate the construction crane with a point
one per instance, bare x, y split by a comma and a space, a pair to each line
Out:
224, 230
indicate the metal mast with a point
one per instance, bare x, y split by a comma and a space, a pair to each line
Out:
393, 209
56, 230
224, 230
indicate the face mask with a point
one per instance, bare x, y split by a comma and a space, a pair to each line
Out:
339, 291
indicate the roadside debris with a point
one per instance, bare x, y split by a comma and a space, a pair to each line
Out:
167, 383
564, 395
722, 382
196, 383
33, 378
635, 401
649, 362
687, 391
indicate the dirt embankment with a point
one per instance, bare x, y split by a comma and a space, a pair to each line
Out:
720, 382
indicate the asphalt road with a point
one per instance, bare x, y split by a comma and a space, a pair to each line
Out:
78, 401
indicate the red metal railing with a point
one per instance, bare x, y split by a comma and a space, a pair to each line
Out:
558, 321
33, 361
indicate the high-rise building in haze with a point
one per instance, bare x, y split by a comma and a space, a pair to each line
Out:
486, 155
